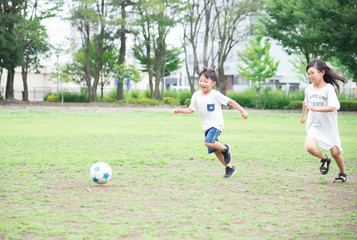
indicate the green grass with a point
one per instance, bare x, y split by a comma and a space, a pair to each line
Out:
164, 184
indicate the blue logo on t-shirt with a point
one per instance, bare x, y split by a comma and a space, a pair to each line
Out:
210, 107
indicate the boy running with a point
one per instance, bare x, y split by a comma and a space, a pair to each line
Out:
208, 103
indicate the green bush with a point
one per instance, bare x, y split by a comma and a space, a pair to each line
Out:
134, 93
246, 99
1, 98
187, 102
140, 101
75, 97
51, 95
171, 101
182, 95
348, 105
53, 98
147, 94
110, 96
294, 105
67, 97
277, 100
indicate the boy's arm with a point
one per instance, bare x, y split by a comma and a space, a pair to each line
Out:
185, 111
235, 105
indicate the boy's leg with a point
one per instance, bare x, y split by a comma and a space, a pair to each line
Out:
230, 170
220, 157
224, 149
215, 145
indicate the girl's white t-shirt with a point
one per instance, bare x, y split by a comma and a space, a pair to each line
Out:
210, 108
323, 126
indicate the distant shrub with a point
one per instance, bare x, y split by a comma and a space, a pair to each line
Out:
75, 97
51, 95
172, 101
187, 102
246, 99
134, 93
147, 94
67, 97
1, 98
294, 105
140, 101
277, 100
348, 105
182, 95
53, 98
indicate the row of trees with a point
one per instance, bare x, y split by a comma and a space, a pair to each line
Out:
211, 29
22, 38
324, 29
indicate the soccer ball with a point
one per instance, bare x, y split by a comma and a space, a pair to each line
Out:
101, 172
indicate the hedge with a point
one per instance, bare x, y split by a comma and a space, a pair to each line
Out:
276, 99
67, 97
345, 105
348, 105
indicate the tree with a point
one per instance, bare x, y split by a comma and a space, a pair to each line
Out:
324, 29
225, 24
259, 66
336, 22
34, 43
198, 15
232, 28
10, 46
109, 59
172, 60
123, 30
90, 18
155, 19
129, 72
300, 64
33, 36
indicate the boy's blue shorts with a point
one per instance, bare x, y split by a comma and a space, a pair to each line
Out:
211, 136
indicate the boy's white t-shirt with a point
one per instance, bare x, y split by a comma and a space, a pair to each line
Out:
210, 108
323, 126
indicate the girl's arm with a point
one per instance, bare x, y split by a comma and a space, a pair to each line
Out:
235, 105
185, 111
320, 109
303, 113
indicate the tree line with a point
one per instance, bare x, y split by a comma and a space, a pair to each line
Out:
211, 30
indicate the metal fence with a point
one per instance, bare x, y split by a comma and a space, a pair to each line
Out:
37, 93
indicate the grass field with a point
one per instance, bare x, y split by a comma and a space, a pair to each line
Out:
164, 184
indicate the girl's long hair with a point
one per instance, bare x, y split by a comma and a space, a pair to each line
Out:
330, 76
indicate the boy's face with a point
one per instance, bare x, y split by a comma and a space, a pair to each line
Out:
206, 84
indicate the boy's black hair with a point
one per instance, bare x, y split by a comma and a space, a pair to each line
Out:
209, 73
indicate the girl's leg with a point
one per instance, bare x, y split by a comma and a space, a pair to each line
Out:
311, 147
336, 154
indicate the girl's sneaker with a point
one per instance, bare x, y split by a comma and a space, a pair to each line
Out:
230, 171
